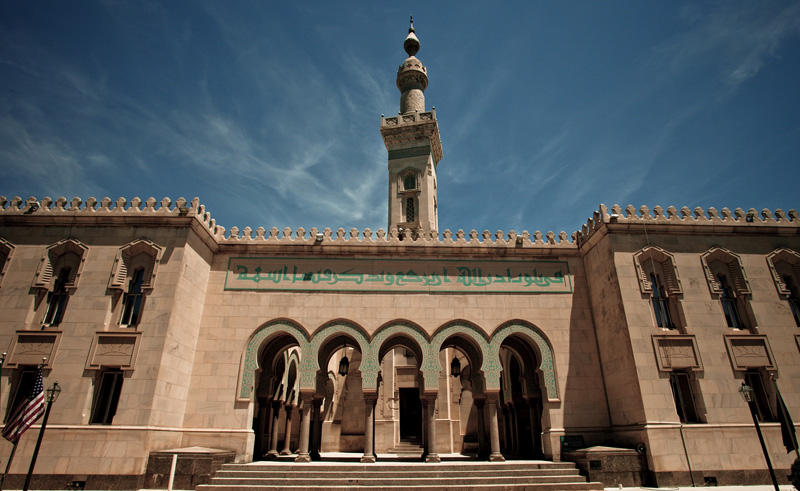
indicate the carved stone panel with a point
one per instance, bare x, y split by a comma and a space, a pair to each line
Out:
29, 347
114, 349
752, 351
677, 352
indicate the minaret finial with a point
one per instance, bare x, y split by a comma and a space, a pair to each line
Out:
411, 44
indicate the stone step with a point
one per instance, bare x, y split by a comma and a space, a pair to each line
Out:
396, 480
418, 467
394, 476
585, 486
381, 472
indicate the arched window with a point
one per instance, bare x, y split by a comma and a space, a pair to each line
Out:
727, 282
58, 274
728, 300
658, 278
410, 181
133, 275
133, 299
660, 303
57, 298
784, 264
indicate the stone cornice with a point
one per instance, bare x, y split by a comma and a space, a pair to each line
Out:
407, 129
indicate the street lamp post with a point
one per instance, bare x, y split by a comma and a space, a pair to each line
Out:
52, 395
747, 394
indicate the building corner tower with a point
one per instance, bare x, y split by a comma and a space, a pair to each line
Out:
412, 140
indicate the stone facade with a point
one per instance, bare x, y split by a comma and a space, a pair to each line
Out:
167, 331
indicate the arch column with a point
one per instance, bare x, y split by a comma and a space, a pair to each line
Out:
494, 434
433, 456
287, 431
536, 425
305, 427
273, 439
479, 405
261, 428
316, 429
369, 428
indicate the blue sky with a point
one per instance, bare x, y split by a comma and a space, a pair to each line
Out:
270, 111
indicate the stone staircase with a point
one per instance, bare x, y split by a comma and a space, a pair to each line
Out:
394, 476
408, 448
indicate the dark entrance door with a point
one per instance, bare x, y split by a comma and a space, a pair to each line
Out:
410, 414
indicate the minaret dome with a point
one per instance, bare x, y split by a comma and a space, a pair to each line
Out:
412, 77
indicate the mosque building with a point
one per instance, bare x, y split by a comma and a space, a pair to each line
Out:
629, 339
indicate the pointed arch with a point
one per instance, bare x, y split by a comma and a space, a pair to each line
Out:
537, 340
475, 335
258, 340
310, 364
792, 259
67, 252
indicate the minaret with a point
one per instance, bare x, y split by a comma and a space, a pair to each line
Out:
412, 139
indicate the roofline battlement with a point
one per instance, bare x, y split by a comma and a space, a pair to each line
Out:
698, 219
354, 240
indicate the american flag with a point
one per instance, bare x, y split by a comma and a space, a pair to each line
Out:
29, 410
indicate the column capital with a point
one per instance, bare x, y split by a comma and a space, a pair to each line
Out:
370, 397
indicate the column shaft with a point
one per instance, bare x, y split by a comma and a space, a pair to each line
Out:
432, 456
494, 434
305, 428
369, 428
287, 432
273, 439
479, 403
316, 429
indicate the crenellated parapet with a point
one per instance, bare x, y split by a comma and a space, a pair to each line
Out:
394, 238
166, 210
687, 217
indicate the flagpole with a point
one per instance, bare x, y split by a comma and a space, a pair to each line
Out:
14, 447
786, 416
52, 395
8, 465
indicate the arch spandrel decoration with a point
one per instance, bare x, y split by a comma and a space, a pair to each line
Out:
378, 340
431, 367
310, 365
253, 348
491, 360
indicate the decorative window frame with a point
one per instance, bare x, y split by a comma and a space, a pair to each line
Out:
740, 284
401, 180
124, 260
677, 352
668, 271
788, 256
44, 278
113, 349
7, 250
29, 347
747, 352
672, 279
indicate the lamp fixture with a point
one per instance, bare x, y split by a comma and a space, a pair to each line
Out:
344, 364
53, 392
455, 367
746, 392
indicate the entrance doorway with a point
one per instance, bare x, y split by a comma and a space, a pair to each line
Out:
410, 414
